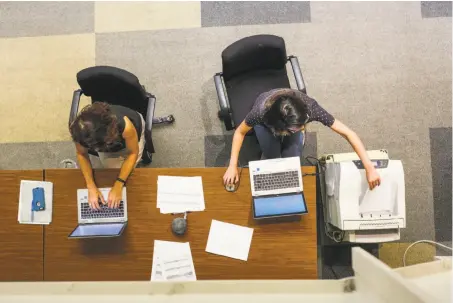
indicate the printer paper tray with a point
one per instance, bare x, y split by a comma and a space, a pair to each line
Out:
373, 224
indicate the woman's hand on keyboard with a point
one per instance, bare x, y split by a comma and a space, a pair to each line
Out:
115, 195
94, 195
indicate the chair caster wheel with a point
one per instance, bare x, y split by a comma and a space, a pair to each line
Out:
164, 120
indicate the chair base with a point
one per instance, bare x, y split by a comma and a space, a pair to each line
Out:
163, 120
147, 157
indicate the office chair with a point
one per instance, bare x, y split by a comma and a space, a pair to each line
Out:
118, 87
251, 66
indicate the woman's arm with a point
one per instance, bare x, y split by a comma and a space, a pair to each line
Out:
353, 139
238, 139
231, 175
85, 165
94, 195
131, 138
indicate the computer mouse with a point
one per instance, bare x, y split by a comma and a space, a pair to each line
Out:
179, 226
230, 187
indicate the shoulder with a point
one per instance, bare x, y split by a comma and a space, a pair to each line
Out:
129, 128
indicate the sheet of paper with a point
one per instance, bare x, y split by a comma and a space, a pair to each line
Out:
229, 240
178, 268
168, 254
180, 194
381, 199
24, 213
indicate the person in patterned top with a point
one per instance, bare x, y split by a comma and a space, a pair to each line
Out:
278, 119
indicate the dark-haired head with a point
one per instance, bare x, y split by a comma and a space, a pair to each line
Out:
95, 127
286, 115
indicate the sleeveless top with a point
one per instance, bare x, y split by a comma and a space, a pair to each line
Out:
120, 112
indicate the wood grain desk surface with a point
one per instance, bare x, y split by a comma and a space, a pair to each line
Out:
279, 250
21, 248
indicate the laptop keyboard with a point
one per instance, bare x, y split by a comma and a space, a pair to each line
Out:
275, 181
104, 212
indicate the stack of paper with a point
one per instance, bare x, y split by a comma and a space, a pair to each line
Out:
229, 240
25, 214
179, 194
172, 261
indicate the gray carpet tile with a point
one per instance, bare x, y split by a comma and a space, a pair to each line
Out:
364, 11
35, 155
226, 13
217, 149
441, 251
434, 9
177, 149
28, 19
440, 139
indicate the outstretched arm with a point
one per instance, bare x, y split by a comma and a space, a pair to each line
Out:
372, 175
131, 138
231, 175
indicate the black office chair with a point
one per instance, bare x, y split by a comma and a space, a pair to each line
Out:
251, 66
118, 87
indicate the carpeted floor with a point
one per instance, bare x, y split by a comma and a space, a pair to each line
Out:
383, 68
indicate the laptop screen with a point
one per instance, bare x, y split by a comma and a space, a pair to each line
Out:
98, 230
279, 205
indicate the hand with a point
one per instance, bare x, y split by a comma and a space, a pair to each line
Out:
373, 177
94, 195
115, 195
231, 175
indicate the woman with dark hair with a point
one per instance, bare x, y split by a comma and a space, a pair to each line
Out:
117, 134
278, 119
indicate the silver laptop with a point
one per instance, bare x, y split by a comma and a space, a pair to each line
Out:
277, 188
106, 222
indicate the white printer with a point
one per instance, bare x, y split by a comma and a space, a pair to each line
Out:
365, 216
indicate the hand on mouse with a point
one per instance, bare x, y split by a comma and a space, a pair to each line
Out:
231, 176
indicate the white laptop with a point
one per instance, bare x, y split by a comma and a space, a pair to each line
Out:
277, 188
106, 222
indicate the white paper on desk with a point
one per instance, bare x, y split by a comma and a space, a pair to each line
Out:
24, 214
166, 252
229, 240
178, 268
179, 194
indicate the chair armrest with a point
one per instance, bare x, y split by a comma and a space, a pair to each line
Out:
74, 105
221, 95
149, 122
297, 74
225, 110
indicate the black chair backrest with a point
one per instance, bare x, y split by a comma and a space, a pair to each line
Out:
253, 53
114, 86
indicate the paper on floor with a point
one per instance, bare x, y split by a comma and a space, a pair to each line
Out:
172, 261
179, 194
229, 240
24, 214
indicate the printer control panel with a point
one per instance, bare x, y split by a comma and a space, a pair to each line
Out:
378, 163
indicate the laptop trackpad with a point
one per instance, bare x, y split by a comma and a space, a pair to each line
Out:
281, 205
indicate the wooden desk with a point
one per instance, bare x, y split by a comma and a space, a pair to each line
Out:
21, 248
279, 251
